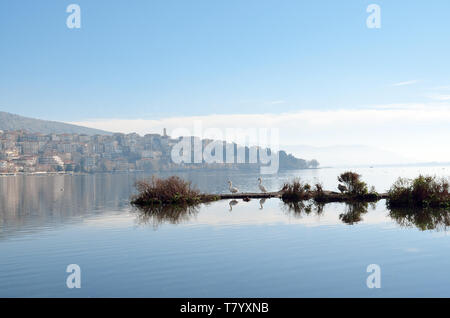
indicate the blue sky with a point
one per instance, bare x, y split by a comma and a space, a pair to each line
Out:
155, 59
309, 68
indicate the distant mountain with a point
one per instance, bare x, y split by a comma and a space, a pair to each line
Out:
348, 155
10, 121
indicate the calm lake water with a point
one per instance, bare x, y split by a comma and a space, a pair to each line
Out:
242, 249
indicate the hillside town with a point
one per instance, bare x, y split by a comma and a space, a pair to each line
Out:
24, 152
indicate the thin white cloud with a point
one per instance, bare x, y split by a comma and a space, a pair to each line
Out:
405, 83
440, 97
438, 105
444, 88
277, 102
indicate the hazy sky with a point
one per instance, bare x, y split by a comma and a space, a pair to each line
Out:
312, 68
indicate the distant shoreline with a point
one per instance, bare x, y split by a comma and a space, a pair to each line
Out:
55, 173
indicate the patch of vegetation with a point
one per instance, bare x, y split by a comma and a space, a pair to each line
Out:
422, 192
352, 190
319, 194
295, 191
351, 184
172, 190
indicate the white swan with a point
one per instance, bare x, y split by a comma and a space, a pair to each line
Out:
261, 187
232, 189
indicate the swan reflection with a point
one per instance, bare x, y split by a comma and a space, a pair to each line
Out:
261, 203
231, 204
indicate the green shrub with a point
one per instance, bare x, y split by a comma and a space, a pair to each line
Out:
172, 190
295, 190
424, 191
351, 184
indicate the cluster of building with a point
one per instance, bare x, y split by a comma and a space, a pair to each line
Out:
26, 152
22, 151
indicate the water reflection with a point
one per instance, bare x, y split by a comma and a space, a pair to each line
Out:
157, 215
303, 207
261, 203
231, 204
352, 215
354, 211
423, 219
31, 203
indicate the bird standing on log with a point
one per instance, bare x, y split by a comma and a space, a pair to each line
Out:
232, 189
261, 187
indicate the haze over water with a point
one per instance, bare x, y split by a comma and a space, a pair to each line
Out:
250, 249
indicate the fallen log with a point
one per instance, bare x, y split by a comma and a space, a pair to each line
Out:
250, 195
326, 196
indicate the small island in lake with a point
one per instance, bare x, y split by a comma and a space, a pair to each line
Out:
424, 192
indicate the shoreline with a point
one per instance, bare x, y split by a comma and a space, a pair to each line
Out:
48, 173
